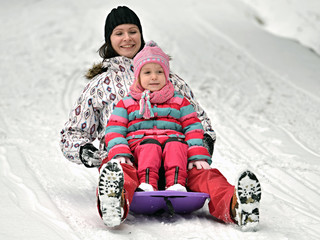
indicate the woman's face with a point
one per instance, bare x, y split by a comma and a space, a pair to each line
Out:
126, 40
152, 77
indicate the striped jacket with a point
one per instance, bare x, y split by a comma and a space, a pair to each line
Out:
174, 118
92, 109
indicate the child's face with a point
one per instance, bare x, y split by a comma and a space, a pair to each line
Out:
152, 77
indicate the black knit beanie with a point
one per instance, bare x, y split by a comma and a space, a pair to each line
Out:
118, 16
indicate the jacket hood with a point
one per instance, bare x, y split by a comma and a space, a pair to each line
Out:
96, 69
112, 63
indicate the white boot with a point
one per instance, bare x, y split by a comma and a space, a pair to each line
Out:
146, 187
177, 187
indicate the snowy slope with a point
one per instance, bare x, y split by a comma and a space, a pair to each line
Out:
290, 18
260, 90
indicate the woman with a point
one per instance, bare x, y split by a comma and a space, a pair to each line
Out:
110, 82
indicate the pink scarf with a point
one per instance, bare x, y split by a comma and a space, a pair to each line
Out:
146, 98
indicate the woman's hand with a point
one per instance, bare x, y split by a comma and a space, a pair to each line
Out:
90, 156
123, 159
199, 165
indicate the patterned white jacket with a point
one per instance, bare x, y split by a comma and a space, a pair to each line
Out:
90, 114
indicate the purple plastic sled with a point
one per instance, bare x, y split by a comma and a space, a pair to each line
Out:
168, 201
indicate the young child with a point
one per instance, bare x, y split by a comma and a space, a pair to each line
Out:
155, 126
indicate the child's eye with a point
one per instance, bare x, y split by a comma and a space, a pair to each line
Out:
133, 32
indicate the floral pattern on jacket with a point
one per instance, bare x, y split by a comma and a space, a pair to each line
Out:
90, 114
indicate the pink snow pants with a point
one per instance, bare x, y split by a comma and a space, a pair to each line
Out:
152, 152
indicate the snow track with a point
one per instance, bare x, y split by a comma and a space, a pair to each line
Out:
265, 118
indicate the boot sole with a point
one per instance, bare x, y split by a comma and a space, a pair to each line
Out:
249, 196
110, 190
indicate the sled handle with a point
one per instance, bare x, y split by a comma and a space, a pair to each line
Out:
169, 206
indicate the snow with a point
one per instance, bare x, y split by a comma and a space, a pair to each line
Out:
245, 63
291, 19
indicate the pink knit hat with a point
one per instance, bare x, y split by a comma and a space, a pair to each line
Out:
151, 53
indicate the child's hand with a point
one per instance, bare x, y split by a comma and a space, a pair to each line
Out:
123, 159
199, 165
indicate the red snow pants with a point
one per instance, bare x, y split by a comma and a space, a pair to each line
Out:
209, 181
151, 153
199, 180
212, 182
